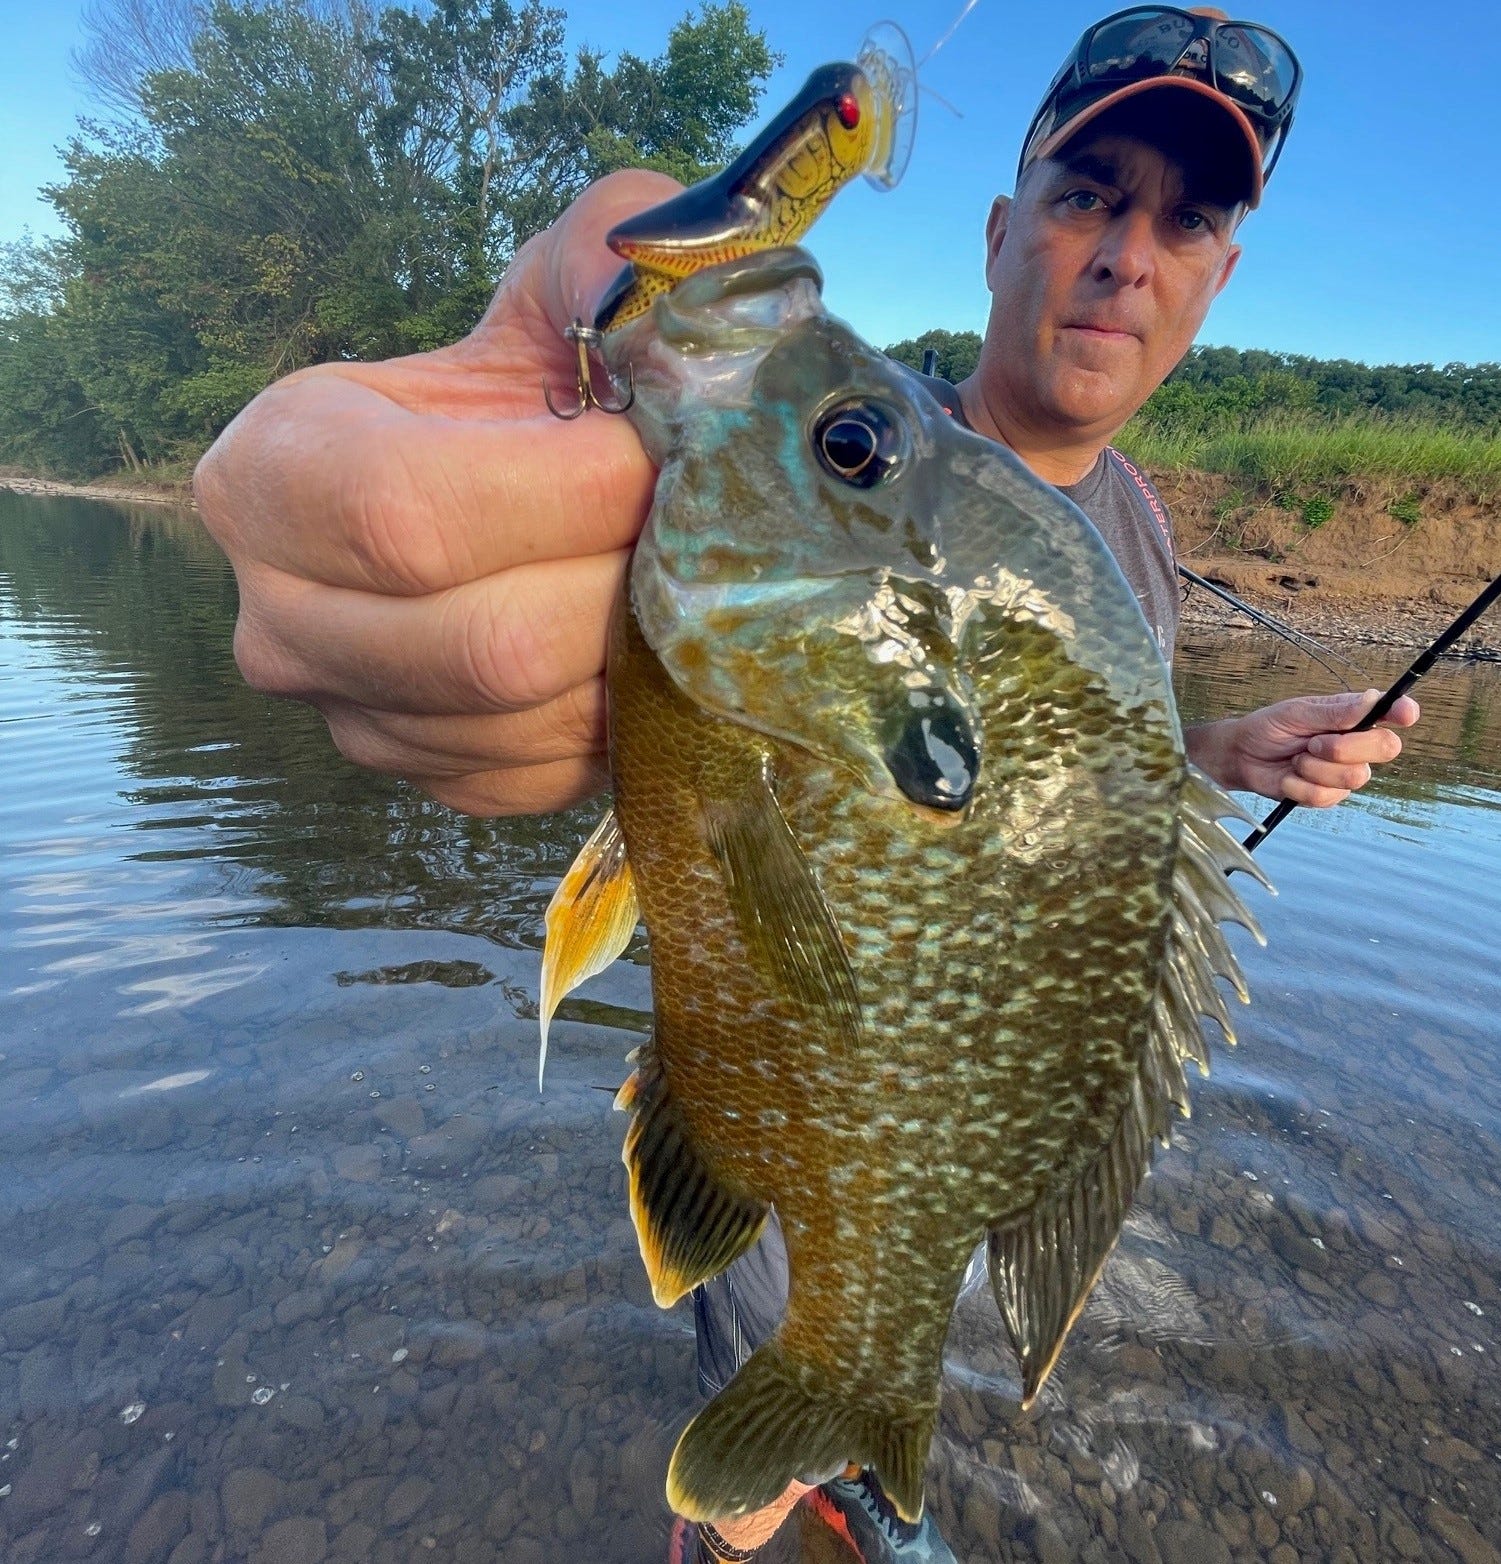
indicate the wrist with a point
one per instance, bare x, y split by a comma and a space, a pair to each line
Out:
1213, 748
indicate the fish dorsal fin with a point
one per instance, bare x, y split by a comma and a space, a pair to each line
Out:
781, 912
590, 920
689, 1225
1043, 1265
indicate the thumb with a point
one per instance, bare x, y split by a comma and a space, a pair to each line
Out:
559, 276
1309, 714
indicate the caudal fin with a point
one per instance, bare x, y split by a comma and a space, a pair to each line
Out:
772, 1424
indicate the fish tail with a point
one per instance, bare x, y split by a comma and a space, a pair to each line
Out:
776, 1423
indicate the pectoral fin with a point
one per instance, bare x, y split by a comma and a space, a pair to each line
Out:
783, 917
590, 920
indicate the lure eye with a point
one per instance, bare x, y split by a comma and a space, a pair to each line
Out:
847, 107
859, 443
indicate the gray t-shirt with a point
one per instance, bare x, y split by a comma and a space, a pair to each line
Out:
1129, 515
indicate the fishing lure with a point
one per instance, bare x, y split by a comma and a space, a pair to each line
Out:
848, 119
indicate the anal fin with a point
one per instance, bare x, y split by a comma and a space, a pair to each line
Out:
688, 1224
590, 920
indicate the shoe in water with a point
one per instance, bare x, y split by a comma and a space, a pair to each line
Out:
861, 1512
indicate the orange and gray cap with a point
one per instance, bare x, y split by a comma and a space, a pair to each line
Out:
1082, 91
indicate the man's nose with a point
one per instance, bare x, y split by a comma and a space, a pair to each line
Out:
1128, 249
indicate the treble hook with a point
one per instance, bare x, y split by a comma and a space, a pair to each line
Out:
583, 338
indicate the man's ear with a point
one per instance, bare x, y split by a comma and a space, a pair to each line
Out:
995, 230
1232, 260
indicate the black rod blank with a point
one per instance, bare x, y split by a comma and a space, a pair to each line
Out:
1424, 661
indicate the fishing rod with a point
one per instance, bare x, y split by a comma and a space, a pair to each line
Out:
1424, 661
1304, 643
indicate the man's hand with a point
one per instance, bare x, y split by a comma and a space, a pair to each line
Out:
1301, 749
428, 556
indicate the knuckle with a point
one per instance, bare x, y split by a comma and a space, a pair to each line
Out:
262, 663
577, 718
373, 536
358, 742
502, 654
210, 494
463, 794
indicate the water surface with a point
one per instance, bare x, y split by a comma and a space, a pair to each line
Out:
297, 1265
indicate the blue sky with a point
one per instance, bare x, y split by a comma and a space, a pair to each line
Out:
1378, 239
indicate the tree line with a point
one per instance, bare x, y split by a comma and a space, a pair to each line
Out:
277, 183
1219, 390
280, 184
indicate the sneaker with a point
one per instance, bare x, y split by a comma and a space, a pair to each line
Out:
859, 1510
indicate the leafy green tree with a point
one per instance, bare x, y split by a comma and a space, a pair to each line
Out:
958, 352
47, 422
315, 179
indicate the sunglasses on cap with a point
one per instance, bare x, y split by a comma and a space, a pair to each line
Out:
1249, 65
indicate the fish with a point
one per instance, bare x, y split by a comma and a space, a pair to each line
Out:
932, 892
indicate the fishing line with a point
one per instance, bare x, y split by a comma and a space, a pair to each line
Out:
1295, 638
968, 6
1420, 665
953, 28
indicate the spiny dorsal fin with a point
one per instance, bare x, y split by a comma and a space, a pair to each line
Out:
688, 1225
783, 917
1043, 1266
590, 920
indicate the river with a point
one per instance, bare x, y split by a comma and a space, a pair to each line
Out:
299, 1266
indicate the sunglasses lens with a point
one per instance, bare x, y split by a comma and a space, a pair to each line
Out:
1138, 44
1253, 67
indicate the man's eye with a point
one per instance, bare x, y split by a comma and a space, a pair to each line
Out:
1084, 200
1194, 222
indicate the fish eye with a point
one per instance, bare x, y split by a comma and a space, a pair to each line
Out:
860, 443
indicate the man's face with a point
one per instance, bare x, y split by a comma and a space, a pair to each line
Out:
1101, 271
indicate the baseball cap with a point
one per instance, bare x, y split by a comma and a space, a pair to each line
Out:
1242, 75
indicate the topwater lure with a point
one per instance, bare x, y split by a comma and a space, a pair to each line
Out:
848, 119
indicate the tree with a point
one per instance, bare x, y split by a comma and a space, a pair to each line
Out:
47, 422
958, 352
314, 179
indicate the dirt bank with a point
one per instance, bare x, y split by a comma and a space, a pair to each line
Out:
125, 487
1375, 561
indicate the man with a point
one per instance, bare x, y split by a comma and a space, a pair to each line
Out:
429, 558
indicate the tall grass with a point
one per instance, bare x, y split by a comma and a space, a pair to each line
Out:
1287, 451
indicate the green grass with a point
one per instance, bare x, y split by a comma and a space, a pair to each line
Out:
1285, 453
1408, 510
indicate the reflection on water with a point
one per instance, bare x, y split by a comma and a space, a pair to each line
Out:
299, 1265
